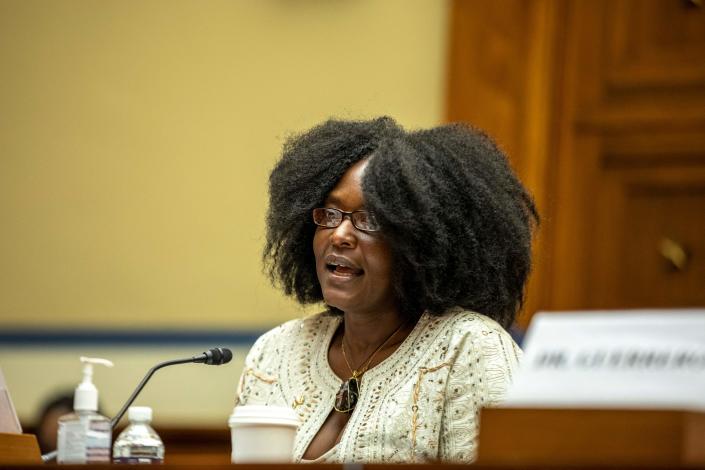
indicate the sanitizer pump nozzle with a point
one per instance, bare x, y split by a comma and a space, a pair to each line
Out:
86, 396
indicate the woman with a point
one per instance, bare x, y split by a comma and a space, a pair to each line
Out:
419, 244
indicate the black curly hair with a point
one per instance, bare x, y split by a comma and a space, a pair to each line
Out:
457, 219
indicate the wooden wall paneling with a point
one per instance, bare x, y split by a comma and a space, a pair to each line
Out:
602, 191
656, 45
656, 242
487, 67
620, 117
604, 121
662, 229
653, 66
546, 31
664, 266
576, 224
503, 66
574, 160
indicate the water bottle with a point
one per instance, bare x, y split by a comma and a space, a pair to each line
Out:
138, 443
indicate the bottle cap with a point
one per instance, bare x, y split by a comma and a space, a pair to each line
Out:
140, 413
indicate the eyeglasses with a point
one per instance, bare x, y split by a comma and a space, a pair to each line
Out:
330, 218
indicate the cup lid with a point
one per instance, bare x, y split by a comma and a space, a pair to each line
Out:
263, 414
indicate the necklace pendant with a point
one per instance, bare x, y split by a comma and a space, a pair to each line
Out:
346, 398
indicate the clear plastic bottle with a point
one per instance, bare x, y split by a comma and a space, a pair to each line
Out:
84, 435
138, 443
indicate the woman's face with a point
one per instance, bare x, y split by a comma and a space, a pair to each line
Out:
353, 267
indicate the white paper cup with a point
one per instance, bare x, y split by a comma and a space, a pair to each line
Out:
262, 433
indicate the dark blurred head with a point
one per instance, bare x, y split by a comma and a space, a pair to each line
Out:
47, 426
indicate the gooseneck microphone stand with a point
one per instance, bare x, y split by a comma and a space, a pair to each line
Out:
121, 413
214, 357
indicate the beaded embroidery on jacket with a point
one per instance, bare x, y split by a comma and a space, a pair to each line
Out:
419, 404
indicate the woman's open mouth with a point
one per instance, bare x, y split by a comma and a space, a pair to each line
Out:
344, 271
342, 267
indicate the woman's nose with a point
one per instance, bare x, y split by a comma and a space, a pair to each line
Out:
344, 234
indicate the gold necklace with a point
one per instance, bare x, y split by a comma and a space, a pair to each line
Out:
346, 398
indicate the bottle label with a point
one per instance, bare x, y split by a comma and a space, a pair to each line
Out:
84, 441
72, 443
98, 436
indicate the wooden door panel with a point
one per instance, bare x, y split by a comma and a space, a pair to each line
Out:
648, 245
575, 224
622, 197
602, 105
665, 264
655, 44
631, 158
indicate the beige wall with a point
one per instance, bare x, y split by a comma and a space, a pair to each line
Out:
136, 138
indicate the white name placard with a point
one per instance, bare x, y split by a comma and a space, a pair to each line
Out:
603, 359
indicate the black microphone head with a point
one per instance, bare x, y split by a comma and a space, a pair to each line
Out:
218, 356
227, 355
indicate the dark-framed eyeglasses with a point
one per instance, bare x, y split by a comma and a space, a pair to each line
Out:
329, 217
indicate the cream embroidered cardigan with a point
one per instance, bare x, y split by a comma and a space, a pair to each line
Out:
419, 404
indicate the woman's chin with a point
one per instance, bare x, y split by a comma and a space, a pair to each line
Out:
341, 302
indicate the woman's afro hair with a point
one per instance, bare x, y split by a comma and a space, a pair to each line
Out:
457, 219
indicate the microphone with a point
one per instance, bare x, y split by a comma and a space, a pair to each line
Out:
213, 357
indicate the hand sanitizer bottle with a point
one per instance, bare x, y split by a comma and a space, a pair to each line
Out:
84, 436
